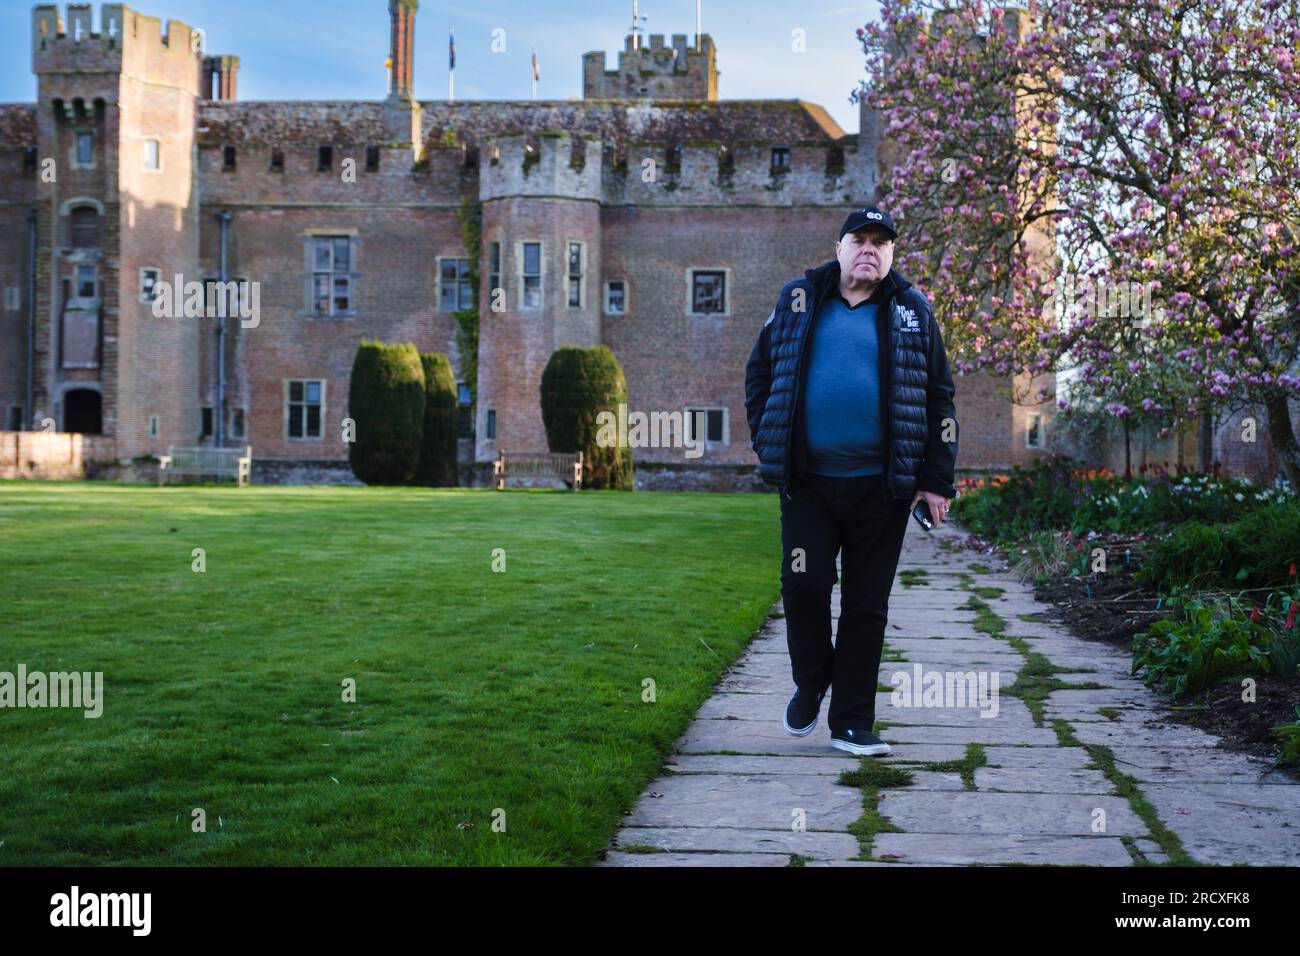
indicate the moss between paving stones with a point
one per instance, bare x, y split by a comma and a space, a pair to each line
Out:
1033, 686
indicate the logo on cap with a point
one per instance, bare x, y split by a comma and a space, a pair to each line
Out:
873, 215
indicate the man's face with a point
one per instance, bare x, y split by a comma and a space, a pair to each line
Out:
866, 255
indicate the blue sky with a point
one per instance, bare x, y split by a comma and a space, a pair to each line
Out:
335, 49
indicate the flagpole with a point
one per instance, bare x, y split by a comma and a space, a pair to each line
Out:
534, 72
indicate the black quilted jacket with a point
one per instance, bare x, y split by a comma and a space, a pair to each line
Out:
915, 384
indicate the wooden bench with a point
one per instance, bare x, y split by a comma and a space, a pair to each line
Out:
567, 466
236, 463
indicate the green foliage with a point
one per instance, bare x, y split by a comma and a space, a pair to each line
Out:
438, 450
1046, 554
1057, 494
1195, 555
1289, 735
577, 384
1265, 545
386, 400
1186, 655
1256, 551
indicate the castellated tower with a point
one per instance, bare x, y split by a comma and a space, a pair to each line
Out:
117, 209
677, 72
540, 197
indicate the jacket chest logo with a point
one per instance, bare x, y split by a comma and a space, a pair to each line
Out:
910, 322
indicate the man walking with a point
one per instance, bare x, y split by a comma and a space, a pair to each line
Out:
850, 405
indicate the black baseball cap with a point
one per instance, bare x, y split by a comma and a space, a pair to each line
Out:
869, 216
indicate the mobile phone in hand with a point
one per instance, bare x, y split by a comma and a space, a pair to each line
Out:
922, 515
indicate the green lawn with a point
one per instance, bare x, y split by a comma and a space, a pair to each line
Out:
517, 694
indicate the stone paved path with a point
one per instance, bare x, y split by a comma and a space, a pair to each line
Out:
737, 786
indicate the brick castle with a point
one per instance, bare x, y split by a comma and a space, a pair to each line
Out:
356, 219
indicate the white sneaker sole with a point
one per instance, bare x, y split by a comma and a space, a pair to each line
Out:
799, 733
869, 750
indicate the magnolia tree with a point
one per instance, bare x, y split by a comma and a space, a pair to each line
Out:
1108, 189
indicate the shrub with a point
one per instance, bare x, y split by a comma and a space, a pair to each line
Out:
1195, 555
1058, 494
386, 401
577, 384
438, 449
1182, 656
1289, 735
1265, 544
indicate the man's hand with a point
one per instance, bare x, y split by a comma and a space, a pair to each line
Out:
937, 504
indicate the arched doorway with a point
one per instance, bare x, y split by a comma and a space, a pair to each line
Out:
82, 411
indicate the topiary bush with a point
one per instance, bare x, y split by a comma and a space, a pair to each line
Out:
437, 465
577, 384
386, 401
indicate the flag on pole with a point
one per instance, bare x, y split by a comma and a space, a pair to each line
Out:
451, 48
536, 75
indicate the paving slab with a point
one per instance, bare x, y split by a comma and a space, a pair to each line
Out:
739, 791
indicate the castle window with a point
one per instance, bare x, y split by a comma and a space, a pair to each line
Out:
205, 427
332, 275
277, 160
708, 291
228, 156
835, 160
673, 159
372, 159
152, 155
494, 269
85, 149
708, 423
324, 158
149, 278
85, 228
304, 408
465, 407
726, 163
15, 418
616, 298
577, 257
236, 423
86, 284
780, 157
1034, 431
492, 424
153, 426
530, 276
29, 159
13, 298
454, 290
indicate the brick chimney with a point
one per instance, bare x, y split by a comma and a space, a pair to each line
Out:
402, 13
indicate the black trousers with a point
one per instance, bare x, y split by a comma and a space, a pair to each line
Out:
821, 515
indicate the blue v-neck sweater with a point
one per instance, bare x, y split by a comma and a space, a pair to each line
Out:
843, 425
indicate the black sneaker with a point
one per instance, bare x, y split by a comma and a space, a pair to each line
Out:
859, 742
801, 713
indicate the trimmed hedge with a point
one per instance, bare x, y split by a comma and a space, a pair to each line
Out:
386, 401
577, 384
437, 465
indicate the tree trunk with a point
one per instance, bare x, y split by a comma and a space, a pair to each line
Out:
1205, 442
1128, 450
1282, 435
